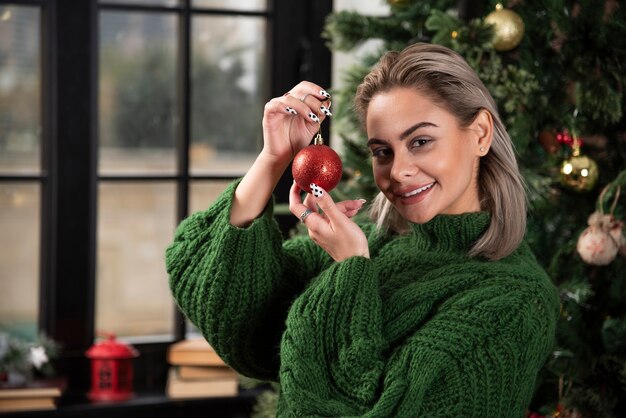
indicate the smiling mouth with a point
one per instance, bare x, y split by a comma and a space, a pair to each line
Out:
418, 191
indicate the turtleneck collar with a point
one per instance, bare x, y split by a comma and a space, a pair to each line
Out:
451, 232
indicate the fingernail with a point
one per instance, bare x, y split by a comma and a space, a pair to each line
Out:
291, 110
325, 111
325, 94
314, 117
363, 201
317, 190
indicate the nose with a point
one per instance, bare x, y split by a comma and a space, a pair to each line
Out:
403, 167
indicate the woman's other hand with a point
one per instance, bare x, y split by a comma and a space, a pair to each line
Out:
333, 230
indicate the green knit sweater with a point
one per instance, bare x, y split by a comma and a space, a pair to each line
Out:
417, 330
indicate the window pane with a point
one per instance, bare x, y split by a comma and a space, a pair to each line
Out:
137, 93
229, 91
20, 90
250, 5
202, 194
19, 258
136, 223
144, 2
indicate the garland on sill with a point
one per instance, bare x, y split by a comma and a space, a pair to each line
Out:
22, 360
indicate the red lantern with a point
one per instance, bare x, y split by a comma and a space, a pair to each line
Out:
111, 370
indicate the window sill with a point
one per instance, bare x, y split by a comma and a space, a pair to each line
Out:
152, 405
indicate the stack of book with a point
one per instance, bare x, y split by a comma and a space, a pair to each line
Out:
35, 396
196, 371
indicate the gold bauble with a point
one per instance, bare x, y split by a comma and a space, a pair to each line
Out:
508, 28
579, 173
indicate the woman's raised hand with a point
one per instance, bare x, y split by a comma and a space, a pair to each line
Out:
291, 121
289, 124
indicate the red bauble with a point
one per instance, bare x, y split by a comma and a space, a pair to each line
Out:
317, 164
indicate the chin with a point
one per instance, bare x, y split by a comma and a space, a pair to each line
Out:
419, 219
415, 215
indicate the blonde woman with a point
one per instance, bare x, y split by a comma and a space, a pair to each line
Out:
434, 309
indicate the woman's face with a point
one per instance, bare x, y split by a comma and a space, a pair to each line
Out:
423, 162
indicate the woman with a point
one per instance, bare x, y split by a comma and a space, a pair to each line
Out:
435, 309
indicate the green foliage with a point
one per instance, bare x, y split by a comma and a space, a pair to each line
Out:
569, 71
359, 28
614, 335
266, 402
18, 361
265, 406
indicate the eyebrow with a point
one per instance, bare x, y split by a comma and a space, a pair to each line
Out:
406, 133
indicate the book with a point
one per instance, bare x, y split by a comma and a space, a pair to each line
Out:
200, 388
205, 372
28, 398
193, 352
26, 404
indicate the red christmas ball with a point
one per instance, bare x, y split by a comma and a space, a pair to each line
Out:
317, 164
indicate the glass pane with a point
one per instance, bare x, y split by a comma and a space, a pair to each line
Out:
144, 2
137, 93
20, 90
19, 258
135, 225
249, 5
228, 95
202, 194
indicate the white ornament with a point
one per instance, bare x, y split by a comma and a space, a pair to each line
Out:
38, 356
600, 242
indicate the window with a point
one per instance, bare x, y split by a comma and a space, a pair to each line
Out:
116, 122
152, 60
137, 120
21, 170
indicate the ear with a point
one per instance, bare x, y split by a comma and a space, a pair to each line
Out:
482, 126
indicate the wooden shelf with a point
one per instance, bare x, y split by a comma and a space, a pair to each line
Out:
151, 405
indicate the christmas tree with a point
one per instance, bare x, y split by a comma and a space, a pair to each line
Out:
557, 69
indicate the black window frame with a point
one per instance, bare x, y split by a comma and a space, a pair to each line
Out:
69, 178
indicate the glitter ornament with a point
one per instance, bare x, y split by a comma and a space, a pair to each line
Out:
579, 172
508, 28
317, 164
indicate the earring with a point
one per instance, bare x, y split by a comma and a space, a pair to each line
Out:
482, 149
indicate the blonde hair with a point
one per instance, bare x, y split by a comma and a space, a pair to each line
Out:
446, 78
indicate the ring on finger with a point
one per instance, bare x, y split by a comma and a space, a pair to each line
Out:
304, 96
305, 214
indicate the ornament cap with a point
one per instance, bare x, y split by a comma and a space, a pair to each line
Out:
110, 349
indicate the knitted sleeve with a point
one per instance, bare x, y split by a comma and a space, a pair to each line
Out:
236, 284
475, 355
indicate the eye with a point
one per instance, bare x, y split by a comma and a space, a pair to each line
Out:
419, 142
380, 152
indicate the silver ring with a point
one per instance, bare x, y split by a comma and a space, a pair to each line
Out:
305, 214
304, 96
